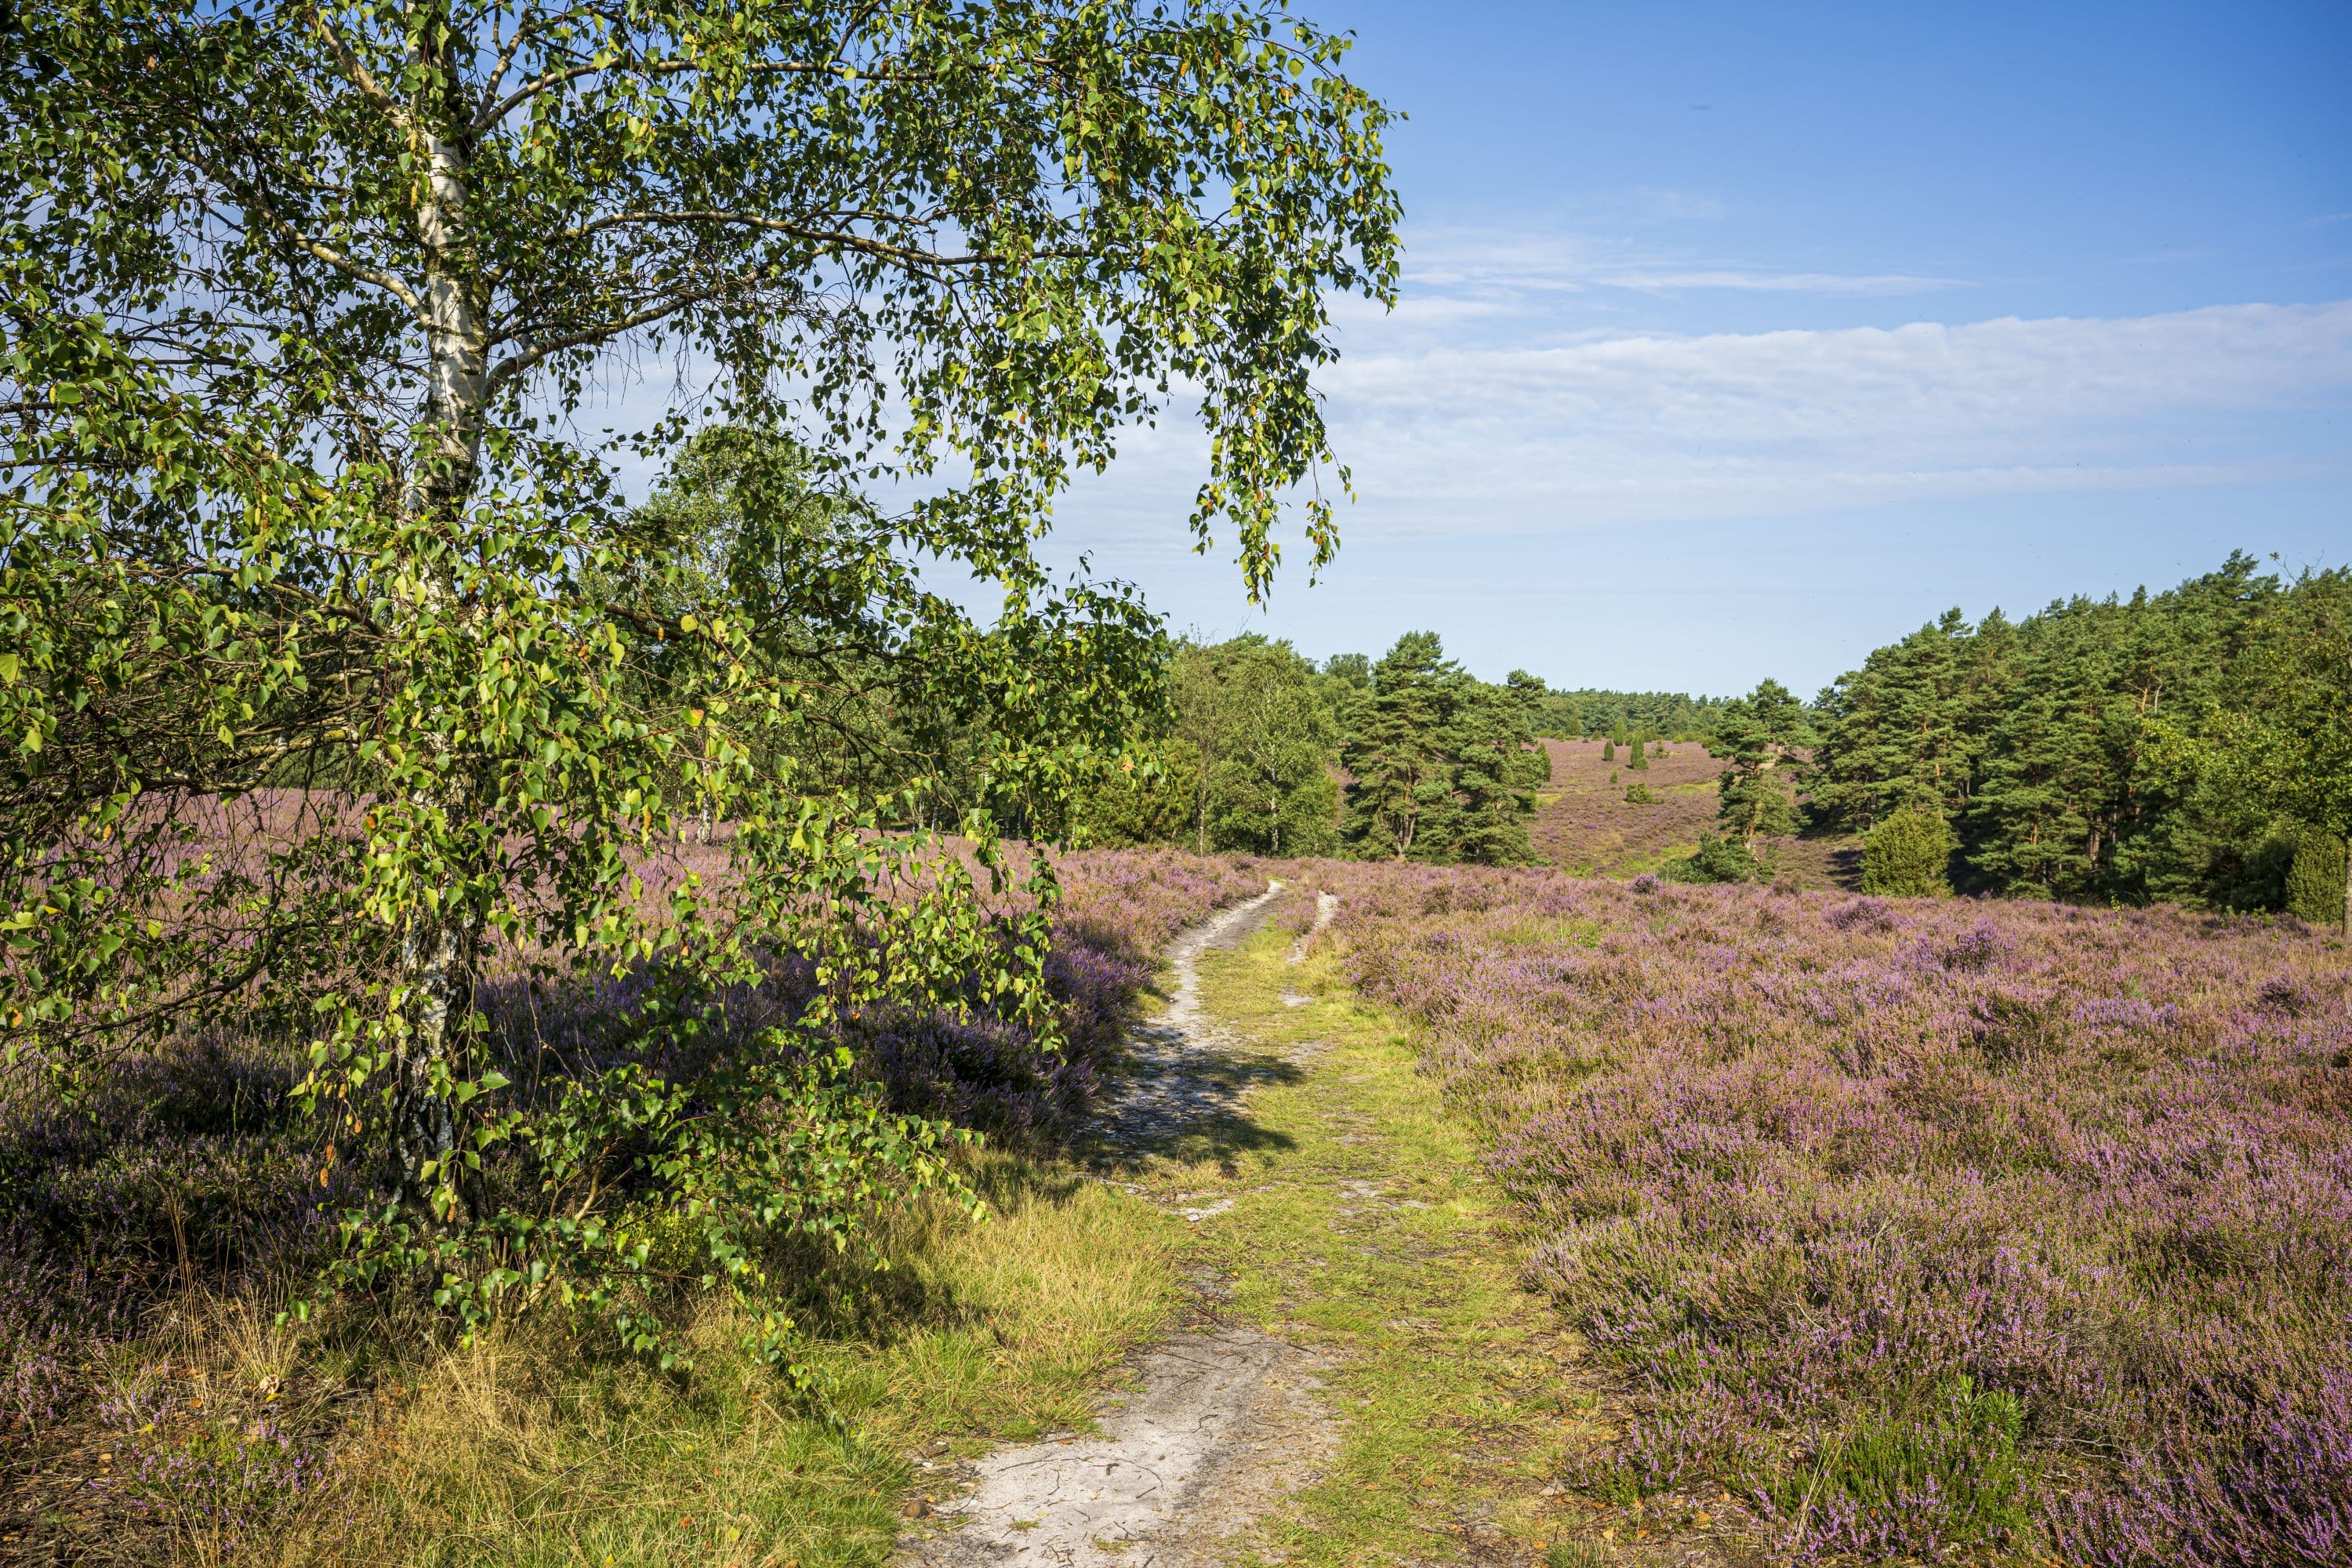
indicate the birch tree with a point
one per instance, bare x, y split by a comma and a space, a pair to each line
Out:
312, 309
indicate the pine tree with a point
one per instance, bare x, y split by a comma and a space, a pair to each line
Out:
1639, 761
1758, 735
2289, 732
1393, 750
1496, 766
2074, 749
1609, 749
1444, 765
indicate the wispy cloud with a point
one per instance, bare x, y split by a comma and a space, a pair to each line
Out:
1619, 426
1782, 282
1615, 428
1458, 262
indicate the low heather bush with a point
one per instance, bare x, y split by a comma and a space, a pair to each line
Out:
1920, 1226
191, 1168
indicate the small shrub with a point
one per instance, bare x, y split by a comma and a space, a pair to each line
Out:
1866, 914
1639, 762
1639, 794
1907, 855
1973, 950
2285, 997
1715, 860
2315, 881
1647, 882
2009, 1030
1608, 752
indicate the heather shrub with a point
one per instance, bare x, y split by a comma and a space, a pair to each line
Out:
191, 1175
1905, 855
1871, 914
1929, 1229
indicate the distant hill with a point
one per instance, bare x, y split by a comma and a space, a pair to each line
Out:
1584, 822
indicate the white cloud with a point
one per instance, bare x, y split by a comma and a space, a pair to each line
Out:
1516, 266
1613, 428
1782, 282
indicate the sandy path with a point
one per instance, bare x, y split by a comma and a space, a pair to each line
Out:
1223, 1421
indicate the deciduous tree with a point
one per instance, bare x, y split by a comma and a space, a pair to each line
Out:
303, 306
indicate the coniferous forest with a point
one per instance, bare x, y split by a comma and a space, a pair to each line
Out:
2188, 745
2182, 746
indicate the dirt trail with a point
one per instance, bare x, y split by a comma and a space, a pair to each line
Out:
1366, 1378
1223, 1420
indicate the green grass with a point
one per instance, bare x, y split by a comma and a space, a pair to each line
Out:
522, 1451
1362, 1227
1634, 865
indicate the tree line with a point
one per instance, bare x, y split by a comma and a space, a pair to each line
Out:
1624, 716
2192, 746
1406, 757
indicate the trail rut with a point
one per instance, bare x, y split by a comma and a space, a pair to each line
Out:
1223, 1421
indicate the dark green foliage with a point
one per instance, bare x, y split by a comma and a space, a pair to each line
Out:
1758, 735
1639, 794
1352, 671
1150, 798
2167, 746
1566, 715
1640, 760
2315, 879
1531, 694
1908, 853
1716, 860
1265, 785
1609, 750
1444, 765
1247, 764
2282, 738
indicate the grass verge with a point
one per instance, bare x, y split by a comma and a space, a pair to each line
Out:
1362, 1226
518, 1453
533, 1448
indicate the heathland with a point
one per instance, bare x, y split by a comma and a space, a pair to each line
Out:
1856, 1230
550, 1021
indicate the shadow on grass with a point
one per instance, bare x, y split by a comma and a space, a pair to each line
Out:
1174, 1100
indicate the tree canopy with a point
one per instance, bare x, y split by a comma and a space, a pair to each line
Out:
339, 652
2176, 745
1444, 765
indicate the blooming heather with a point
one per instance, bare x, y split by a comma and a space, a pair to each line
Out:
191, 1164
1919, 1225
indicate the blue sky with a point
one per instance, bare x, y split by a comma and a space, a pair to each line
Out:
1739, 339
